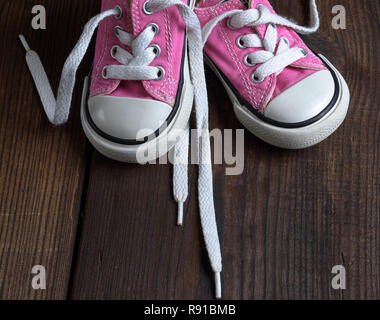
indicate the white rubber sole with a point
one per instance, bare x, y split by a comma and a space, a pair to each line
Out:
152, 149
298, 138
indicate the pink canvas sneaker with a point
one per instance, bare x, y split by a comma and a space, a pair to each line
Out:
145, 105
137, 102
139, 96
281, 91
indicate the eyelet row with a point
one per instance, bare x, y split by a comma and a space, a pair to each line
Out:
240, 44
254, 78
247, 62
155, 47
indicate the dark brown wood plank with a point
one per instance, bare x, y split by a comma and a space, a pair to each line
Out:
284, 223
41, 167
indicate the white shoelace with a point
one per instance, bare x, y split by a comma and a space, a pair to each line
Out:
271, 60
136, 67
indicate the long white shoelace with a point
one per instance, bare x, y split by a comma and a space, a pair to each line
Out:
271, 60
135, 66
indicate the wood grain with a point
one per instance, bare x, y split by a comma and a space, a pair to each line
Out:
41, 167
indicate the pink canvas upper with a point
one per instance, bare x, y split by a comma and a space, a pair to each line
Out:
223, 50
170, 39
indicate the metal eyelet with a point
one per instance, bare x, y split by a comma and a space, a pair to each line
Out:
160, 73
117, 29
240, 42
156, 50
145, 8
155, 27
229, 25
247, 61
304, 52
255, 78
285, 39
104, 73
119, 15
114, 51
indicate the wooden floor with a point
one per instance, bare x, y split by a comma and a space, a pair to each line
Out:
105, 230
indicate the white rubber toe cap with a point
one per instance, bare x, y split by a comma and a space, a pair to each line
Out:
124, 118
303, 101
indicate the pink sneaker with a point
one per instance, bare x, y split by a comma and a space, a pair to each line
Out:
139, 97
137, 104
281, 91
145, 105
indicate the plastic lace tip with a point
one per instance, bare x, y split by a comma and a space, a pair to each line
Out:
218, 286
24, 43
180, 214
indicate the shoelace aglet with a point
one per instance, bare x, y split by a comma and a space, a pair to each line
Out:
24, 43
218, 286
180, 214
